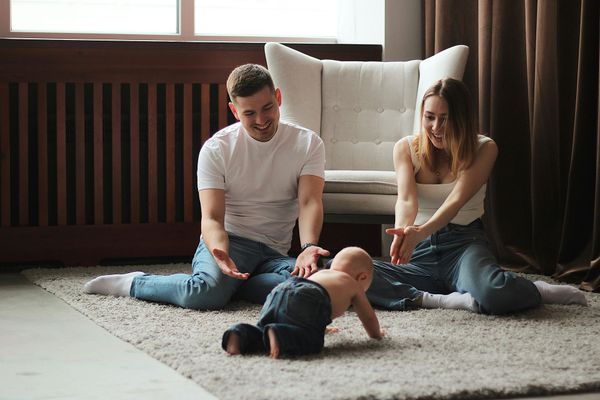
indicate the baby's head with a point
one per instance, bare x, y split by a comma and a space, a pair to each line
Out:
355, 262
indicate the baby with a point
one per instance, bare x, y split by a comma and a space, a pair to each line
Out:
295, 316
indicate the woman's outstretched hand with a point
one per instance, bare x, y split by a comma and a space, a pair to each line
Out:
404, 243
396, 243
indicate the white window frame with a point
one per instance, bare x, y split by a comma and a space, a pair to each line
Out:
186, 18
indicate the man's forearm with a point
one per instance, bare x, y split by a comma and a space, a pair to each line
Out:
215, 236
310, 222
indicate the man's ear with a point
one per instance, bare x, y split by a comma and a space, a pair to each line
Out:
278, 96
233, 110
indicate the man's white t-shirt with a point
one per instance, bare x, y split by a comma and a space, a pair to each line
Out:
260, 179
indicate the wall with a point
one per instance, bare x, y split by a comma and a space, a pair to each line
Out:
99, 139
394, 24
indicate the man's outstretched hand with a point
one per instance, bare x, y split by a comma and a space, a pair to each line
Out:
306, 263
227, 265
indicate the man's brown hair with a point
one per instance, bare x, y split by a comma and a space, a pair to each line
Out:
247, 80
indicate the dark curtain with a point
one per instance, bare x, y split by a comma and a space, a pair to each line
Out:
533, 72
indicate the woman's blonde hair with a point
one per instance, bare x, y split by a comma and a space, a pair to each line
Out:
460, 134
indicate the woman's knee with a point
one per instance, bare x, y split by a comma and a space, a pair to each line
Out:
507, 294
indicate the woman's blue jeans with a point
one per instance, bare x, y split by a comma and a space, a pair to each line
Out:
207, 288
456, 258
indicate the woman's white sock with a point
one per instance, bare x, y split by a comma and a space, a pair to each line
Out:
455, 301
115, 285
560, 294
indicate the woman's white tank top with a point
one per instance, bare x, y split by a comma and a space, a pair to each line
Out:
432, 196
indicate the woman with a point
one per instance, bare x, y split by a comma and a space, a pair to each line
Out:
439, 240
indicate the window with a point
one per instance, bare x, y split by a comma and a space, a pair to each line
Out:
281, 18
95, 16
240, 20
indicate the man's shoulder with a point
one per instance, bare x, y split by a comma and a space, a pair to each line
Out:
230, 131
299, 130
223, 137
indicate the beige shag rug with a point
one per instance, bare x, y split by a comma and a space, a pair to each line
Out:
427, 354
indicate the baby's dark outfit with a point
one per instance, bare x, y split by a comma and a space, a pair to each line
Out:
297, 310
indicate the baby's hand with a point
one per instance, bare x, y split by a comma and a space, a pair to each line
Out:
332, 329
381, 335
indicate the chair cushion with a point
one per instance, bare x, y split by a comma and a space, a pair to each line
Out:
359, 203
367, 182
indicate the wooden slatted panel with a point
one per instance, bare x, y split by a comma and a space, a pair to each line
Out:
79, 155
98, 154
42, 155
4, 156
23, 154
188, 167
116, 153
61, 155
170, 153
134, 126
152, 156
204, 112
222, 106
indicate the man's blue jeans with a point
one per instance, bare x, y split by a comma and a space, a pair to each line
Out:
456, 258
207, 288
297, 310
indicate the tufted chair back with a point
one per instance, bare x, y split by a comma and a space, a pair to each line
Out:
360, 109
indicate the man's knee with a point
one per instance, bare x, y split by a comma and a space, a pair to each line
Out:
204, 301
206, 294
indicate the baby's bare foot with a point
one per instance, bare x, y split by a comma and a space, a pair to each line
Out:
233, 344
273, 344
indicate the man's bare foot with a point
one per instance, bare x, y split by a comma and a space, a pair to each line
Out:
273, 344
233, 344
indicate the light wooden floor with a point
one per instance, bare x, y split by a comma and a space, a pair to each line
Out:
50, 351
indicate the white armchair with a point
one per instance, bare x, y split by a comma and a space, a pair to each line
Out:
360, 109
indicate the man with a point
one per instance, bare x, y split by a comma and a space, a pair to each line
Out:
255, 178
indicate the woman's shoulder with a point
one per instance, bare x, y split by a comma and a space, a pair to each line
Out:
487, 148
405, 149
406, 143
482, 139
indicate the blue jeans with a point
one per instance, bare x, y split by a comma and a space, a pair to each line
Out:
207, 288
297, 310
456, 258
